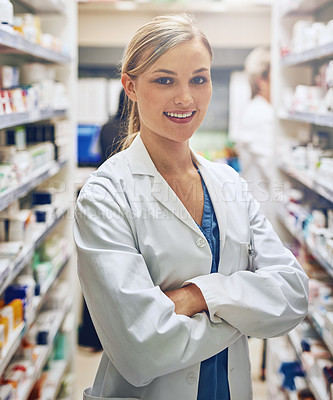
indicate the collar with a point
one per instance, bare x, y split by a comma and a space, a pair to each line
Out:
139, 160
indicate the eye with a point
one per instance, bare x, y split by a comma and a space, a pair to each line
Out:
164, 81
199, 80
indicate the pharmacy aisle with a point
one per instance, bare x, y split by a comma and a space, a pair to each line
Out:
37, 125
302, 75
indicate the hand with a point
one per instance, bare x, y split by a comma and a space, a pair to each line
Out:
188, 300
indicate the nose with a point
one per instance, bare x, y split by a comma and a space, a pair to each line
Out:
183, 96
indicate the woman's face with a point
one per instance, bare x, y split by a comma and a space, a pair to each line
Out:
174, 93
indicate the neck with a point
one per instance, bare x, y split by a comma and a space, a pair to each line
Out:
266, 96
169, 158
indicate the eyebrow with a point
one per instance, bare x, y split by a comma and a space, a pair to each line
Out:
169, 72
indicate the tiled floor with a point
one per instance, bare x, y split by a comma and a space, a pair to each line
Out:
87, 363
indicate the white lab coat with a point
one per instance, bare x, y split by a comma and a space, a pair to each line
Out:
135, 239
255, 145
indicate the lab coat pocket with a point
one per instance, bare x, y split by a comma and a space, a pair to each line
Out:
244, 261
87, 396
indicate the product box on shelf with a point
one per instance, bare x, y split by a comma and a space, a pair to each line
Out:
312, 99
9, 250
4, 333
51, 93
9, 76
5, 102
15, 227
6, 14
308, 34
7, 177
24, 293
41, 154
28, 25
11, 318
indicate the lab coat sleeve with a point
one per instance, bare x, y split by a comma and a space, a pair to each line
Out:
267, 303
135, 321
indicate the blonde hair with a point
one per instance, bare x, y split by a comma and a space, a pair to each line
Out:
148, 44
257, 65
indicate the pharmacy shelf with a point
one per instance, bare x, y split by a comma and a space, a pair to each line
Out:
309, 181
15, 43
55, 376
44, 352
29, 183
15, 119
315, 385
10, 348
298, 7
309, 118
50, 282
52, 279
44, 6
308, 56
283, 218
317, 388
203, 7
320, 258
314, 320
27, 252
311, 248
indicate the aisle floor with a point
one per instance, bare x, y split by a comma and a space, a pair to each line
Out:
87, 363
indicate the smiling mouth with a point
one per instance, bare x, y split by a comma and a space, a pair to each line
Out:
180, 115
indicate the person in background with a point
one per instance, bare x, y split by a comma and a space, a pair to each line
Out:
255, 140
176, 261
110, 136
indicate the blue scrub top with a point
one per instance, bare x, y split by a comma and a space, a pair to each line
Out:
213, 381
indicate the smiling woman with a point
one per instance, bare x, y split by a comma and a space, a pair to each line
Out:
171, 93
150, 43
166, 240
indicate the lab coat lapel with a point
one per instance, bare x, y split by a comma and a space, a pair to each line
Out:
163, 193
140, 163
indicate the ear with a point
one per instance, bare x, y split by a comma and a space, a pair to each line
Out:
129, 86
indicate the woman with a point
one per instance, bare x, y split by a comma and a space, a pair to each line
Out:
255, 142
164, 237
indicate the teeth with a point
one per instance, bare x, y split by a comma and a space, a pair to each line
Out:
178, 115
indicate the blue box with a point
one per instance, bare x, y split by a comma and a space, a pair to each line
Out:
88, 149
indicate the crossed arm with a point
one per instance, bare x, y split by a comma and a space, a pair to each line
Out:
188, 300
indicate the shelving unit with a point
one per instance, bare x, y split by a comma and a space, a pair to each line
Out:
11, 347
58, 368
315, 384
58, 18
298, 235
27, 251
299, 7
313, 182
44, 353
11, 120
44, 6
11, 43
31, 182
206, 7
315, 119
288, 71
321, 52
